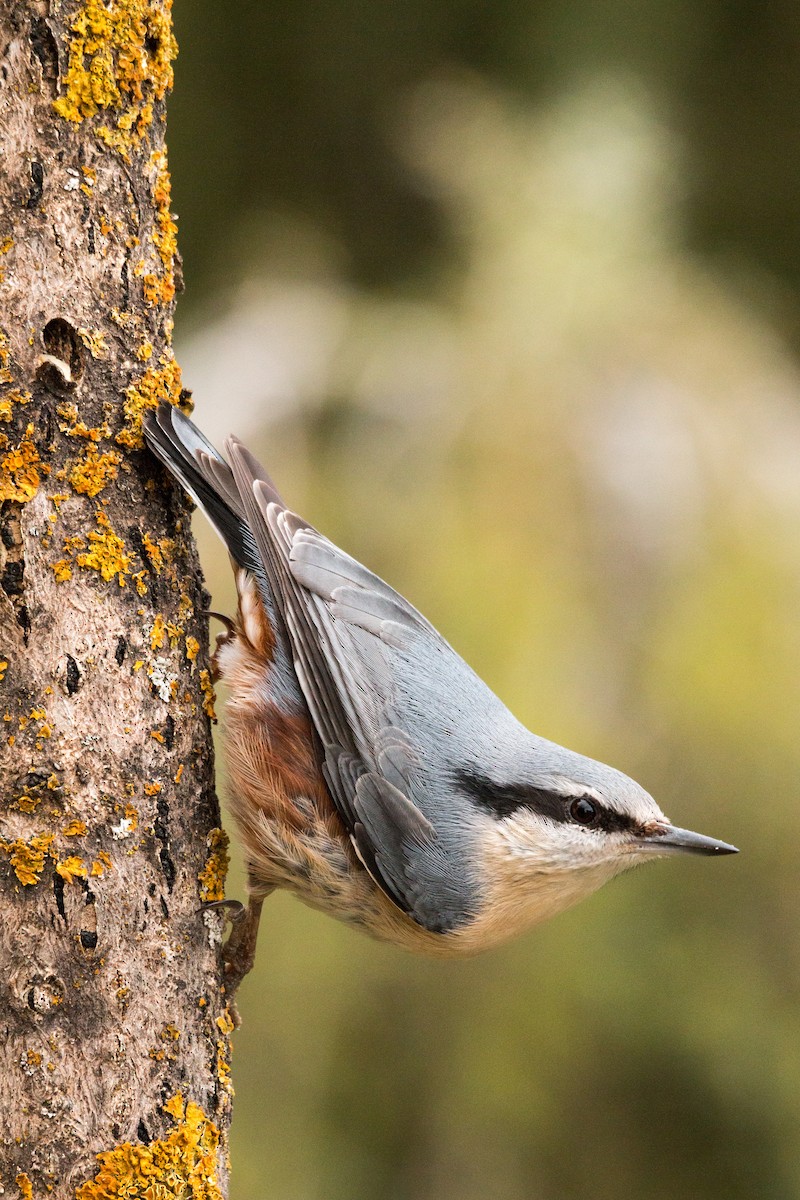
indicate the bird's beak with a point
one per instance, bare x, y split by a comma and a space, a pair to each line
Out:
666, 839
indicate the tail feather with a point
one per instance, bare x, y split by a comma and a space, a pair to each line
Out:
194, 462
205, 475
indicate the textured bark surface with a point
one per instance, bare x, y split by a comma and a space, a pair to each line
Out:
115, 1028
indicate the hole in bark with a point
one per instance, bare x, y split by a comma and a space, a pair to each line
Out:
88, 939
58, 892
142, 1134
37, 184
169, 732
45, 48
160, 830
72, 676
119, 653
12, 564
43, 993
11, 581
60, 368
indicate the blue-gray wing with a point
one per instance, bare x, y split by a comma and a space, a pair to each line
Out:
350, 635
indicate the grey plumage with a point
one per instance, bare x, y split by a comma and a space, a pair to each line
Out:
409, 738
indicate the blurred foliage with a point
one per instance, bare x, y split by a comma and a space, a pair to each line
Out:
289, 107
443, 272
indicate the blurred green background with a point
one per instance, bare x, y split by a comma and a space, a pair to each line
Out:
507, 296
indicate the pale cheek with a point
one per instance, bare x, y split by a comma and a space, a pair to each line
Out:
539, 850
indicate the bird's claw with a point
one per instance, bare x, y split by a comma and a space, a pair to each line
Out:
239, 951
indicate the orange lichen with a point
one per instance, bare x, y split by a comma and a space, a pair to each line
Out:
9, 400
120, 61
19, 470
212, 877
157, 633
27, 858
95, 470
180, 1166
71, 868
5, 356
208, 694
25, 1186
100, 864
156, 385
3, 669
74, 828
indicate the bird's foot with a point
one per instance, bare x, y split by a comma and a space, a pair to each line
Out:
239, 951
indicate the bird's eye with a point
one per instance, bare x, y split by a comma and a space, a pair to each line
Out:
584, 811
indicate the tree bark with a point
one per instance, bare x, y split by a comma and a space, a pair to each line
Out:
115, 1021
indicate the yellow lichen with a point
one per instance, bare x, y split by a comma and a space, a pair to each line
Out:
212, 876
19, 470
180, 1166
192, 648
226, 1026
178, 774
174, 633
106, 553
208, 694
71, 868
160, 288
158, 552
26, 803
120, 60
156, 385
94, 340
79, 429
62, 570
5, 356
25, 1186
145, 351
92, 473
3, 669
27, 858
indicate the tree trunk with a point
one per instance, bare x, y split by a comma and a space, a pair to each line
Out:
115, 1025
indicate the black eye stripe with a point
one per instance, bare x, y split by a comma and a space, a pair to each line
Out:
503, 799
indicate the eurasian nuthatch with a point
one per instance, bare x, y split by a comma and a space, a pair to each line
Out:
372, 772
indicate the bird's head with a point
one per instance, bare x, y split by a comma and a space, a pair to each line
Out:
561, 830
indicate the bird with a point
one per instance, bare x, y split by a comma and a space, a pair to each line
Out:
372, 772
